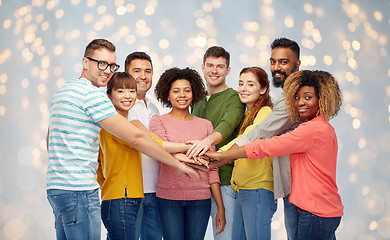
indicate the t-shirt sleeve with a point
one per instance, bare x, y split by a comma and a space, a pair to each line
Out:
157, 126
98, 106
231, 117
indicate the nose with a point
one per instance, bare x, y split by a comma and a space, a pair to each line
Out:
143, 75
277, 66
107, 70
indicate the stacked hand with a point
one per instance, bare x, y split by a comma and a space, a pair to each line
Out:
200, 160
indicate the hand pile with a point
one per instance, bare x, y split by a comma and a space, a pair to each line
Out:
202, 160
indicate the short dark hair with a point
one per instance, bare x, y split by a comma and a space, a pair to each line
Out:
217, 52
166, 80
121, 80
286, 43
97, 44
137, 55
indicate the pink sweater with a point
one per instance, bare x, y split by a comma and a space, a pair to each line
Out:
313, 157
172, 185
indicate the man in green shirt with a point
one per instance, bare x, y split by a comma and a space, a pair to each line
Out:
221, 106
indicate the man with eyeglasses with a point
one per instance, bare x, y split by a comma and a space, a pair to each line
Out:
79, 109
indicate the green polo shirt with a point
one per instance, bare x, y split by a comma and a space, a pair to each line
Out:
225, 111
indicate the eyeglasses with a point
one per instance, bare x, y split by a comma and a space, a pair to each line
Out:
102, 65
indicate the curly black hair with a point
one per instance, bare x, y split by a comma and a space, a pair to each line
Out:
325, 86
166, 80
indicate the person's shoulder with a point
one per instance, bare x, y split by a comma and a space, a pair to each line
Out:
264, 110
230, 91
161, 117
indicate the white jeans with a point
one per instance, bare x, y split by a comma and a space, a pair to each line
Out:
228, 198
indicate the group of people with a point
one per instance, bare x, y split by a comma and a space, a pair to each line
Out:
219, 152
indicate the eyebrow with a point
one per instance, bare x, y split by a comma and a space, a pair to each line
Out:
138, 68
247, 80
180, 88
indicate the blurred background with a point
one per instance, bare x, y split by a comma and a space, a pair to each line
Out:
42, 43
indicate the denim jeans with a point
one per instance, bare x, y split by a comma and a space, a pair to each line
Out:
183, 219
253, 214
148, 223
313, 227
290, 219
229, 201
119, 216
77, 213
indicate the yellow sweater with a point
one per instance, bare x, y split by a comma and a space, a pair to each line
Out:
252, 173
120, 168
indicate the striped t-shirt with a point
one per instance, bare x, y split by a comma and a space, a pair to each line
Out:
73, 136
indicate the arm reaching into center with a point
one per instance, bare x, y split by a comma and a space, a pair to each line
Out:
171, 147
229, 155
120, 127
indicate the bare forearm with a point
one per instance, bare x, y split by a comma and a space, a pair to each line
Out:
175, 147
216, 191
140, 140
227, 156
214, 138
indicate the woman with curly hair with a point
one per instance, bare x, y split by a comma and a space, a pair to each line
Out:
119, 173
313, 96
184, 202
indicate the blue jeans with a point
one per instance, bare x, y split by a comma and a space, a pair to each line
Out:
290, 219
148, 223
119, 216
183, 219
229, 201
253, 214
77, 213
311, 226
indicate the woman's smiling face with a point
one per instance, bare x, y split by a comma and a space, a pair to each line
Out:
306, 102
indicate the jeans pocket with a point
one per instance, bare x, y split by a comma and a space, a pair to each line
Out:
66, 205
129, 202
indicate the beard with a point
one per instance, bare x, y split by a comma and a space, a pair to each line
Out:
279, 81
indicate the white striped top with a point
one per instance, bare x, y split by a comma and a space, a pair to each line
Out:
73, 136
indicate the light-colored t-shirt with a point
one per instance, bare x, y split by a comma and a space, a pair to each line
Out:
75, 111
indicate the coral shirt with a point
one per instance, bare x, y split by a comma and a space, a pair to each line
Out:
313, 158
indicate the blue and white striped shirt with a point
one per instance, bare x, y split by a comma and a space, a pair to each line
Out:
75, 111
